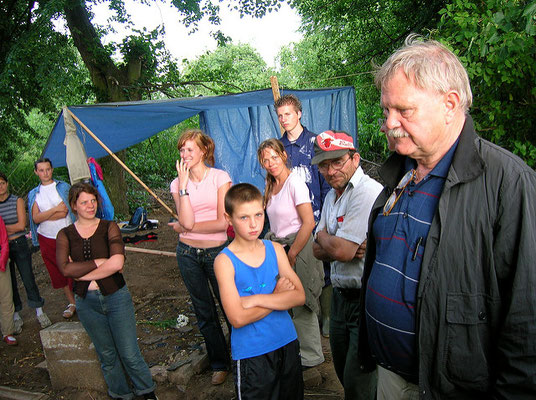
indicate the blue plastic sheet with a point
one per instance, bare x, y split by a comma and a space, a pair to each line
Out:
237, 123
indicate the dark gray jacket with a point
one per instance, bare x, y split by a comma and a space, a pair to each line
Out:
476, 300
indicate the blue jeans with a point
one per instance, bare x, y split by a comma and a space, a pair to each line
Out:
111, 325
19, 254
197, 270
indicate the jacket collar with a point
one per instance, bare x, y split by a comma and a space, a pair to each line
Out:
466, 163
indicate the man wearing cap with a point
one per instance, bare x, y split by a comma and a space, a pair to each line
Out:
340, 232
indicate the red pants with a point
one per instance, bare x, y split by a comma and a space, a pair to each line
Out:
48, 252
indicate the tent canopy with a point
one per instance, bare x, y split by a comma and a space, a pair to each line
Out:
238, 124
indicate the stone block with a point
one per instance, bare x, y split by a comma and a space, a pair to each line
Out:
71, 357
7, 393
311, 378
200, 361
182, 375
159, 373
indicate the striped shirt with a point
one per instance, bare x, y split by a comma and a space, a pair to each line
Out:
392, 288
8, 212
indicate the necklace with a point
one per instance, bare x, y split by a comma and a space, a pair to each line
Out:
196, 184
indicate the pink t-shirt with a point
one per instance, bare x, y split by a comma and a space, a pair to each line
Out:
204, 200
281, 209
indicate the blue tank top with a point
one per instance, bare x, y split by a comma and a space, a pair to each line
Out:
273, 331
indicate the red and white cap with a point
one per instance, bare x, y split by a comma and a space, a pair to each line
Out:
330, 145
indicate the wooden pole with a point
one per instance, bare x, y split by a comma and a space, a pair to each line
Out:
277, 95
122, 164
149, 251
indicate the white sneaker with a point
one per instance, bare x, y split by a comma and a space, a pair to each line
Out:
44, 321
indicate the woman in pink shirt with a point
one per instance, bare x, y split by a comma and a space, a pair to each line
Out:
288, 205
199, 191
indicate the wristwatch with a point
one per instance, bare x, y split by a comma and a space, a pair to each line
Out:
183, 192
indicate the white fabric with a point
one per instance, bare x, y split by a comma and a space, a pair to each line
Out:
281, 209
347, 218
46, 198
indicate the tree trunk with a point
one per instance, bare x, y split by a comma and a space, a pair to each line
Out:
111, 85
114, 179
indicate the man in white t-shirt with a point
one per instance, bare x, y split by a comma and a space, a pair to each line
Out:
49, 210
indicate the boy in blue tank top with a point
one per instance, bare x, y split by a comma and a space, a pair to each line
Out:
257, 287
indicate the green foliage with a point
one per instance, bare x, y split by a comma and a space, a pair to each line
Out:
230, 68
343, 40
153, 160
312, 63
496, 41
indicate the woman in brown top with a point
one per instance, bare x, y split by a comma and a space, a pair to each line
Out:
92, 251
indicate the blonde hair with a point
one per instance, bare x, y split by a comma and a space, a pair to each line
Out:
279, 149
205, 143
430, 66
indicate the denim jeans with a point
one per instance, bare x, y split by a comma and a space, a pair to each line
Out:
111, 325
19, 254
197, 270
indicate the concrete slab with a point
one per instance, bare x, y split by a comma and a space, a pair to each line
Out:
7, 393
71, 357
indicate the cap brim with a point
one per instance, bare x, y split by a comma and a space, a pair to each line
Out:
328, 155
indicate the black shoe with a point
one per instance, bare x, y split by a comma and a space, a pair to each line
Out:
150, 396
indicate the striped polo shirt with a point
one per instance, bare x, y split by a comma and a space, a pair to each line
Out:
392, 287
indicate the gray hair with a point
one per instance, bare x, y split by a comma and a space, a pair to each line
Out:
430, 66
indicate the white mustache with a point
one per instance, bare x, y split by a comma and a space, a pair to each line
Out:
397, 133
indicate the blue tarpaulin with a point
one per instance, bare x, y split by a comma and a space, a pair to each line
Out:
238, 124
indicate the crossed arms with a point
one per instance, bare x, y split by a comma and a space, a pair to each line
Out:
242, 311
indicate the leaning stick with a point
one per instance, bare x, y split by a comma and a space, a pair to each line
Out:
149, 251
122, 164
276, 94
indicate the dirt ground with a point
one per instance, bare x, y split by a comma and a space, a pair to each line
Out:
159, 297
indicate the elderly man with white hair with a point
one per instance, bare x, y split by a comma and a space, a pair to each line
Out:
448, 299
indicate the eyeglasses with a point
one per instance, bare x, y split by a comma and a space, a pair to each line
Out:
399, 189
337, 165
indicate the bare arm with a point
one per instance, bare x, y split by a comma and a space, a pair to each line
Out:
235, 306
334, 247
21, 219
220, 223
177, 227
237, 315
55, 213
182, 203
305, 211
282, 300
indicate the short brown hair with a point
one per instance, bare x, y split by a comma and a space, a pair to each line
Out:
77, 189
205, 143
42, 160
239, 194
288, 100
3, 177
